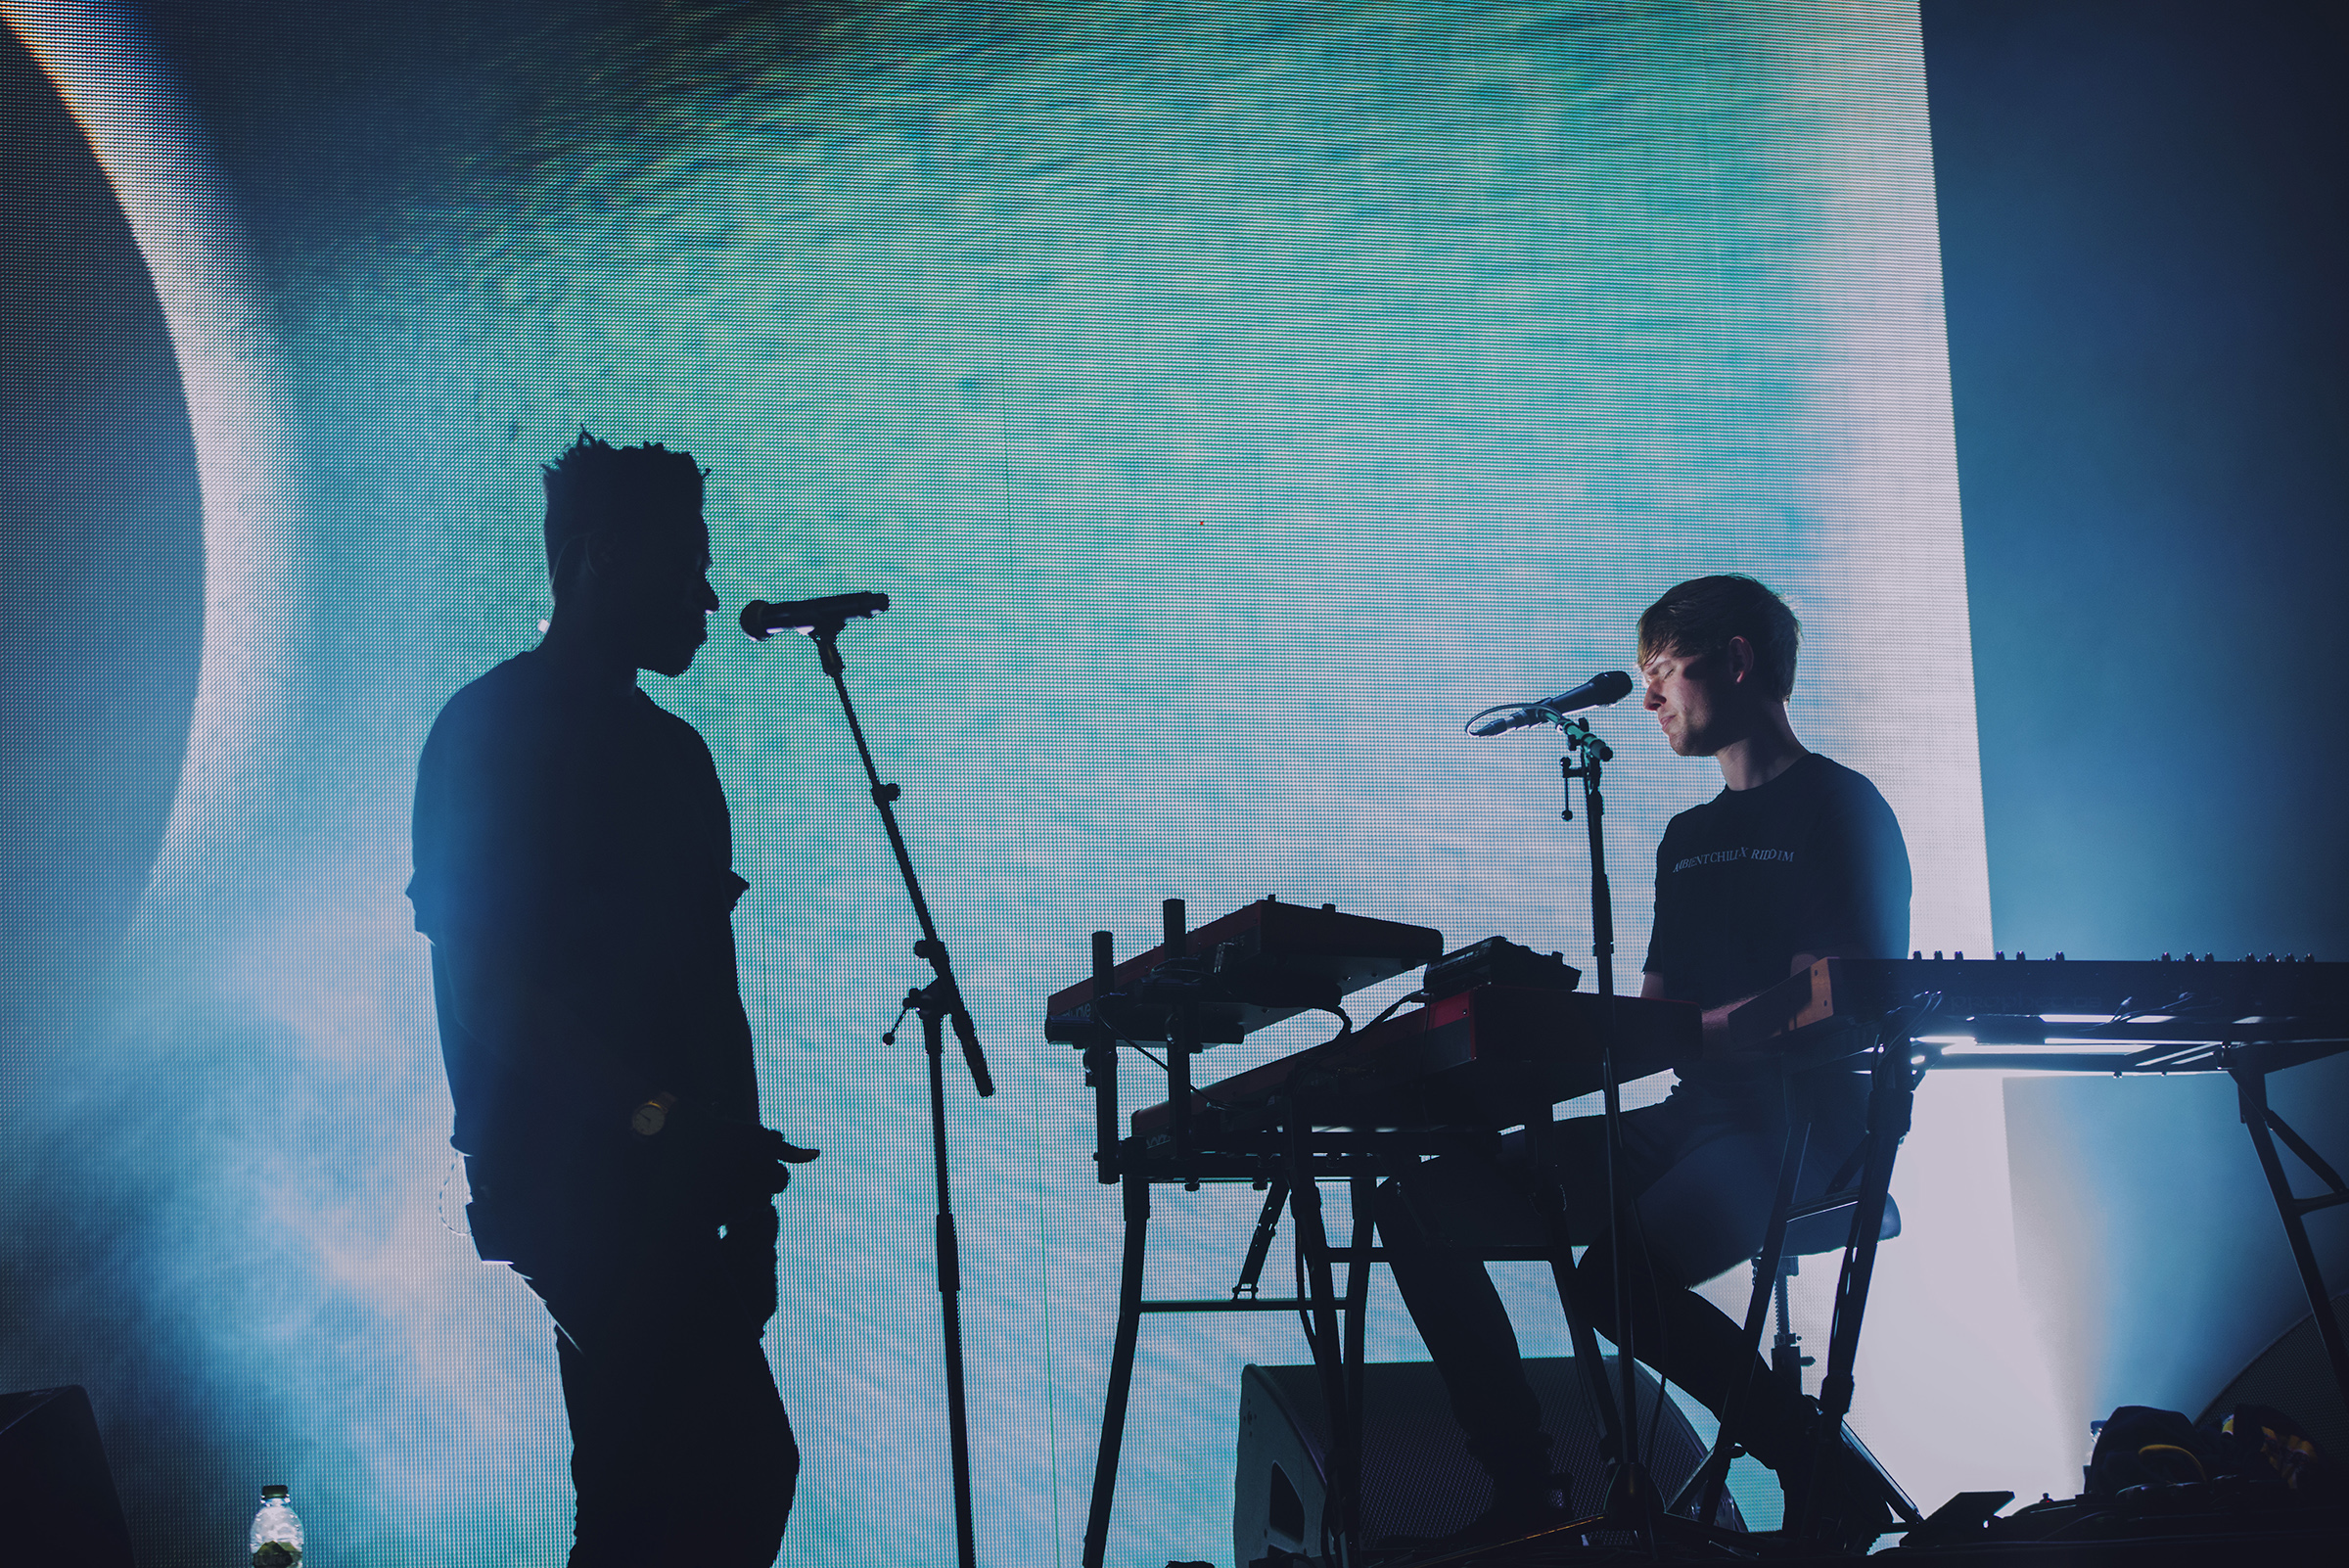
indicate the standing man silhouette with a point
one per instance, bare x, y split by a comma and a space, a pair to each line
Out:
574, 872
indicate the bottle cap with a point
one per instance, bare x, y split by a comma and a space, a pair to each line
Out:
275, 1492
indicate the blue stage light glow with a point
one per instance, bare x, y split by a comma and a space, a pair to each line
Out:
1232, 403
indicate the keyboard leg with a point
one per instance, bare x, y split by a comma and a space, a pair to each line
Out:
1364, 1192
1312, 1241
1121, 1361
2251, 1095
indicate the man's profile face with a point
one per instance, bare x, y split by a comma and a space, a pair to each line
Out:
1694, 698
664, 584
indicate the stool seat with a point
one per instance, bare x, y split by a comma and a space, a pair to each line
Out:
1829, 1229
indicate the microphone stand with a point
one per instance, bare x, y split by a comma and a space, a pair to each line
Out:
1630, 1490
1631, 1504
938, 1003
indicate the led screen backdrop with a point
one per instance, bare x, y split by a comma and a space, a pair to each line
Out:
1232, 398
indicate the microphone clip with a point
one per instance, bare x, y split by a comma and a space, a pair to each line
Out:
1581, 737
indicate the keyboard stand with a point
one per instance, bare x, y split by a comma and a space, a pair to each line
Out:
2249, 1070
1290, 1164
1289, 1161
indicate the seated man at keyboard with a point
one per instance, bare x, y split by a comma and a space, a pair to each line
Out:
1798, 858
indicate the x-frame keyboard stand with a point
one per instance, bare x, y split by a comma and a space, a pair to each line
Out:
1334, 1320
1290, 1176
1292, 1181
2250, 1074
1901, 1062
2249, 1063
1288, 1162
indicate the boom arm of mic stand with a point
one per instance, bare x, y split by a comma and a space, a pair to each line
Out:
932, 948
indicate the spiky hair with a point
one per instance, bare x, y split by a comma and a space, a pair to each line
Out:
595, 485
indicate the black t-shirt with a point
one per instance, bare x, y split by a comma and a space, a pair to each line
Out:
578, 841
1812, 861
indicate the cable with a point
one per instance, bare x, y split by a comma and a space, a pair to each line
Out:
1346, 1028
440, 1203
1197, 1093
1925, 1003
1145, 1053
1120, 1037
1305, 1316
1391, 1007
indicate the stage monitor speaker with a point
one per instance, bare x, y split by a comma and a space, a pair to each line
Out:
2295, 1376
57, 1497
1418, 1479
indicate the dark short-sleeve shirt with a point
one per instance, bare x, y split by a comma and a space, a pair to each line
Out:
582, 837
1812, 861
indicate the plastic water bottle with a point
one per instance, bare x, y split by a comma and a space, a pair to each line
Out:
276, 1540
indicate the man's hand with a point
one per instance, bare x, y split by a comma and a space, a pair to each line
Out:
1717, 1019
1717, 1030
723, 1159
730, 1172
744, 1158
773, 1157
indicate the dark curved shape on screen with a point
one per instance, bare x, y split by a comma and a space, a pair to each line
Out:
101, 559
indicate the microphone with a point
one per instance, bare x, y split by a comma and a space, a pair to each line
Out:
762, 621
1610, 686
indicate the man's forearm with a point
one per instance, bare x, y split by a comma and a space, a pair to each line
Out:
1717, 1019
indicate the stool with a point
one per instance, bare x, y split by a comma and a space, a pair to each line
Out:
1829, 1230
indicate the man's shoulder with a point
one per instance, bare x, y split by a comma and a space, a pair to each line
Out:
494, 706
1828, 777
1843, 805
1842, 789
493, 696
